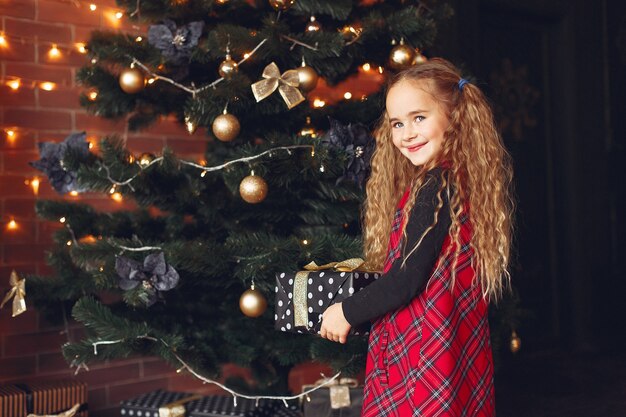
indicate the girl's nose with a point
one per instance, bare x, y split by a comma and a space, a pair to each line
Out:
409, 133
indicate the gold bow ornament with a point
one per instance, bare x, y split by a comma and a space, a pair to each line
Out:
301, 315
287, 85
339, 391
18, 292
69, 413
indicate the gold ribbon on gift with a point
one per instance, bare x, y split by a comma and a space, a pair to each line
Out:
339, 391
69, 413
287, 85
177, 408
300, 313
18, 292
348, 265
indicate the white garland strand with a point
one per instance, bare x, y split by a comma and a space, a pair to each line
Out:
202, 167
205, 380
191, 90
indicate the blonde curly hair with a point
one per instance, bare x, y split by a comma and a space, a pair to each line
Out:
477, 176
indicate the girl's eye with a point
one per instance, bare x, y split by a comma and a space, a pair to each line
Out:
396, 125
419, 118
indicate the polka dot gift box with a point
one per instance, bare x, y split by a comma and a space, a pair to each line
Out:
302, 297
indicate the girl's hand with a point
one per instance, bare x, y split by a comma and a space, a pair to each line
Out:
335, 327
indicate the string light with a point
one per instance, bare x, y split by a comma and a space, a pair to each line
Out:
62, 219
12, 225
14, 84
112, 190
93, 7
119, 15
68, 243
366, 66
34, 184
347, 95
138, 39
81, 47
92, 95
54, 52
10, 134
74, 193
117, 197
319, 103
305, 242
47, 86
381, 70
3, 40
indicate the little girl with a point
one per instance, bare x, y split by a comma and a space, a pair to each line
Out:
438, 223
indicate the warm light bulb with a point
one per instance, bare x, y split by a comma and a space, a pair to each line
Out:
246, 55
347, 95
3, 40
74, 193
305, 242
10, 134
380, 70
81, 47
12, 225
112, 190
202, 174
319, 103
119, 15
367, 66
34, 184
62, 219
92, 95
14, 84
151, 80
48, 86
93, 7
68, 243
138, 39
54, 52
117, 197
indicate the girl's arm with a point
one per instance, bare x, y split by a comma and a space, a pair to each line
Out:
400, 285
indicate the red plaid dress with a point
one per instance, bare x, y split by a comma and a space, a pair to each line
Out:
433, 356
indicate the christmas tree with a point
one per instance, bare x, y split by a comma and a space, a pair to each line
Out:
271, 194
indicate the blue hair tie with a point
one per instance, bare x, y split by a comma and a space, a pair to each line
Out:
462, 82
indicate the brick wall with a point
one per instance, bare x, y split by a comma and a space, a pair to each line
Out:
29, 345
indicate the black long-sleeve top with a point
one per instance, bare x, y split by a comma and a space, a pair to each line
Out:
400, 285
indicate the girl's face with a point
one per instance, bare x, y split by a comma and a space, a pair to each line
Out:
417, 121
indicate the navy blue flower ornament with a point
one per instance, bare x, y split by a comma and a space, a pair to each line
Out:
153, 274
51, 162
358, 144
175, 43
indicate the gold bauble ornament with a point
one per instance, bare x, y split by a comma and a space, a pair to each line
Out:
419, 58
308, 129
228, 67
313, 25
253, 189
252, 302
132, 80
350, 33
308, 78
401, 56
226, 127
282, 4
145, 159
516, 342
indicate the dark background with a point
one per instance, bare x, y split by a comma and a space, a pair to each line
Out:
555, 73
